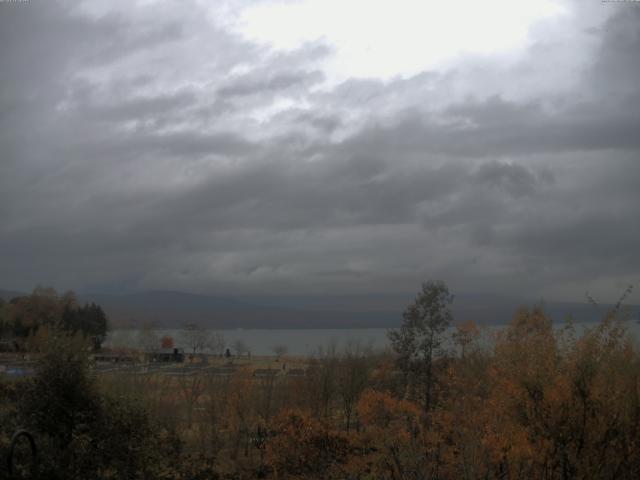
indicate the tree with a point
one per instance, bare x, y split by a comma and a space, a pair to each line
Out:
193, 337
322, 381
5, 326
420, 337
302, 447
465, 336
45, 308
240, 412
216, 343
89, 319
198, 339
80, 432
93, 323
29, 312
353, 376
279, 350
192, 388
167, 342
240, 347
148, 338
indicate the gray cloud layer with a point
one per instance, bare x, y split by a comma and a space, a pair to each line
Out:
163, 151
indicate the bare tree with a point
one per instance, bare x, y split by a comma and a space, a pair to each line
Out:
322, 379
195, 338
216, 343
240, 347
353, 376
216, 399
192, 388
265, 390
466, 336
148, 338
279, 350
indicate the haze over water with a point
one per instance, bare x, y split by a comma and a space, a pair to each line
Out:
309, 342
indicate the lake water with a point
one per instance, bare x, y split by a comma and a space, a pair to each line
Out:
262, 342
308, 341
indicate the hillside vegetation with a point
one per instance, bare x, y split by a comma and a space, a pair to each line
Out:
540, 403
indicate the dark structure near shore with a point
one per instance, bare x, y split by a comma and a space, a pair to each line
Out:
167, 355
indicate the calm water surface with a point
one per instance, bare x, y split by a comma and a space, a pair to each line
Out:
310, 341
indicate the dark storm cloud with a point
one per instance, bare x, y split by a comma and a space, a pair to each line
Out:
515, 179
137, 107
257, 84
288, 195
166, 152
496, 127
616, 68
500, 127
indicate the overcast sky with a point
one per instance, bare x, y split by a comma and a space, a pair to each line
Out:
351, 146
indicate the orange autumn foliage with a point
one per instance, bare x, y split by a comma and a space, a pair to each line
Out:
301, 446
539, 402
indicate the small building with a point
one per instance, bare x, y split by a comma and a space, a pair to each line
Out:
167, 355
113, 357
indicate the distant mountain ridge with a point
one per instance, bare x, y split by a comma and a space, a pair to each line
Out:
173, 309
170, 309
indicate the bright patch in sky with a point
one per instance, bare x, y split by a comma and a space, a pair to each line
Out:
385, 38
